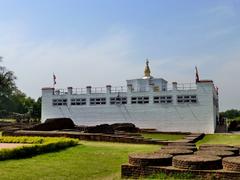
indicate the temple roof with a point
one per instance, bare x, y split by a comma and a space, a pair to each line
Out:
147, 71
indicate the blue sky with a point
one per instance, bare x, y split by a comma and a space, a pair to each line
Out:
99, 42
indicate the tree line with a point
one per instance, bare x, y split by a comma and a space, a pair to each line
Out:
13, 102
230, 114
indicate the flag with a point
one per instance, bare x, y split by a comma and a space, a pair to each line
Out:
216, 90
54, 79
197, 76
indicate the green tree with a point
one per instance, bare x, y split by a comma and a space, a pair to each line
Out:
7, 81
21, 103
7, 86
13, 100
230, 114
36, 109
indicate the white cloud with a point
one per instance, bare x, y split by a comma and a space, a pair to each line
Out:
105, 61
222, 31
223, 10
222, 68
227, 79
109, 60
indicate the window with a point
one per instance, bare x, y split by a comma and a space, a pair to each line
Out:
78, 102
140, 100
59, 102
118, 100
187, 99
162, 99
156, 89
97, 101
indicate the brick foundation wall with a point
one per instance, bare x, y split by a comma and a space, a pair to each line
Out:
131, 171
87, 136
98, 137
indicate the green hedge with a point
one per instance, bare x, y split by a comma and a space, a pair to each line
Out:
38, 145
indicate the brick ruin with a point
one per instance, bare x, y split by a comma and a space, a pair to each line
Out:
210, 160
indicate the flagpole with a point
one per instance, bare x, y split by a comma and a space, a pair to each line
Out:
196, 75
54, 80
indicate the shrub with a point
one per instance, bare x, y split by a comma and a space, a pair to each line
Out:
38, 145
234, 125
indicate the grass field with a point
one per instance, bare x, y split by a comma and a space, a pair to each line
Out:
169, 137
91, 160
231, 139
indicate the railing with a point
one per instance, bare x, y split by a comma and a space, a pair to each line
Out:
98, 90
95, 90
118, 89
79, 91
183, 86
141, 90
60, 92
186, 86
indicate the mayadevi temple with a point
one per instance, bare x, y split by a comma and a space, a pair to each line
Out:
148, 102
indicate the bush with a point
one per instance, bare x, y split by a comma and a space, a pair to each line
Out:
234, 125
4, 113
38, 145
230, 114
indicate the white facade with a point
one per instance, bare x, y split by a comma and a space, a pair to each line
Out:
147, 102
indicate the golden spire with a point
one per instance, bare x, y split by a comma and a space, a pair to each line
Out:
147, 71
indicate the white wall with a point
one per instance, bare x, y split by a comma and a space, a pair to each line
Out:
199, 117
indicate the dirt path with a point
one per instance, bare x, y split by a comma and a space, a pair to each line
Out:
11, 145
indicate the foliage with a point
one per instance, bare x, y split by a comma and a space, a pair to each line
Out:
32, 139
237, 118
230, 114
36, 109
19, 103
39, 145
7, 81
233, 125
159, 136
12, 100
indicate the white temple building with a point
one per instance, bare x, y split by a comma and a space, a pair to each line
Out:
147, 102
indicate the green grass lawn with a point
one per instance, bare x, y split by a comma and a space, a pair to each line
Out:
173, 176
91, 160
169, 137
231, 139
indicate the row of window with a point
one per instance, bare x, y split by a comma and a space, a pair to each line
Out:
123, 100
59, 102
118, 100
187, 99
162, 99
79, 101
140, 100
97, 101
